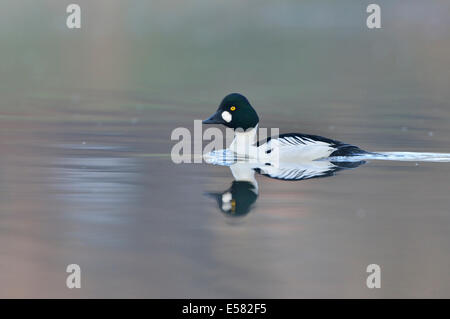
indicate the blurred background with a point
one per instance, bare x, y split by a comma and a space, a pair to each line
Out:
86, 177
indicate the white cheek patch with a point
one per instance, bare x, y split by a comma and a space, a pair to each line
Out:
226, 116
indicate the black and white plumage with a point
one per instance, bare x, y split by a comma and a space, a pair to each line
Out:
338, 148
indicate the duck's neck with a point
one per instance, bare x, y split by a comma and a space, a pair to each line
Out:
244, 142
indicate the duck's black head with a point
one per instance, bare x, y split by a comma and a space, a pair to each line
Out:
234, 111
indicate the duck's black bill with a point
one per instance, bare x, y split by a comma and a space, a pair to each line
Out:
214, 119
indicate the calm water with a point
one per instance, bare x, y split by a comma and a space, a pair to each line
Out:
86, 176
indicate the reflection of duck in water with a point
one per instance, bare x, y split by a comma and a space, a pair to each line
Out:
236, 112
290, 157
238, 200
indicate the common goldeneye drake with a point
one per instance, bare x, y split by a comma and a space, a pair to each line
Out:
236, 112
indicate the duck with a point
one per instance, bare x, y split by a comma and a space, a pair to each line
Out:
236, 112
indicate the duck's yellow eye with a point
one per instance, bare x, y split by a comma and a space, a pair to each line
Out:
233, 108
